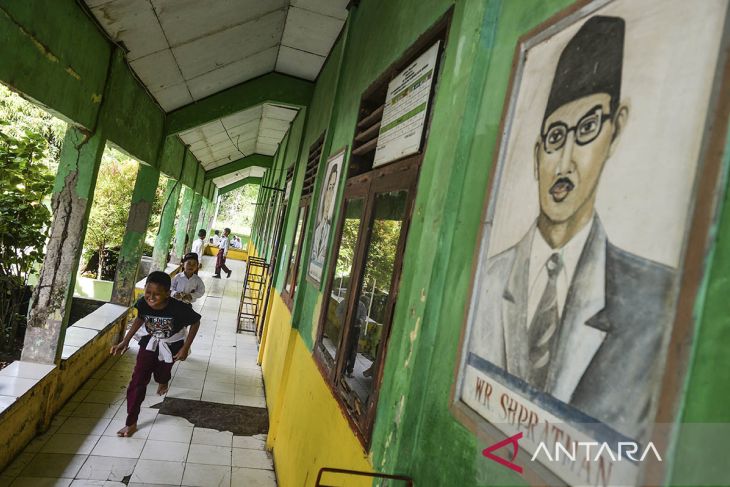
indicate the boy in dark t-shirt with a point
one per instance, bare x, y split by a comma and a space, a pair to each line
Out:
165, 320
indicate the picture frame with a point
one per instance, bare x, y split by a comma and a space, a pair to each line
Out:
542, 85
324, 215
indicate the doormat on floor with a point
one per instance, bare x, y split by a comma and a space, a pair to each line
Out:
240, 420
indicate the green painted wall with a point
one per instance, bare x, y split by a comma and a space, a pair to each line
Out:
62, 68
317, 122
277, 87
55, 55
243, 163
172, 156
291, 157
199, 179
181, 224
131, 119
171, 199
278, 176
190, 169
414, 419
194, 219
140, 211
414, 424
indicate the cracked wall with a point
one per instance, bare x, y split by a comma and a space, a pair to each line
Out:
81, 155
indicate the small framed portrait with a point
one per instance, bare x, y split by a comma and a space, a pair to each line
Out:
325, 212
600, 185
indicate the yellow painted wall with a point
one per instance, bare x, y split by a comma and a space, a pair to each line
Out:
233, 254
32, 412
308, 430
274, 351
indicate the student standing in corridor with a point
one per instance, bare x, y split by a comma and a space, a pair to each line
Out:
220, 262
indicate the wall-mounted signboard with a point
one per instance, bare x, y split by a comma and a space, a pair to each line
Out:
406, 107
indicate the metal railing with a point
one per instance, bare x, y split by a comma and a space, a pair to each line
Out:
357, 473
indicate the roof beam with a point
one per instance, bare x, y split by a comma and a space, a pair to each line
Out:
273, 87
238, 184
243, 163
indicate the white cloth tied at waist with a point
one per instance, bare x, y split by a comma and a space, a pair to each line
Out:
162, 345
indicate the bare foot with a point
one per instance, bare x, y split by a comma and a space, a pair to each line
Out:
162, 389
127, 431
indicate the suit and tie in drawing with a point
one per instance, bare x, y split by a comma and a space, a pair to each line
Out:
323, 224
564, 310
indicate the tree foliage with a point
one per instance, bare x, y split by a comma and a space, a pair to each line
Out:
21, 116
237, 209
381, 255
110, 209
30, 148
24, 183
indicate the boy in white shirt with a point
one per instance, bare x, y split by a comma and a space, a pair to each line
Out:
220, 262
187, 286
197, 247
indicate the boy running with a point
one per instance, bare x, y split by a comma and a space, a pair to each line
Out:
165, 320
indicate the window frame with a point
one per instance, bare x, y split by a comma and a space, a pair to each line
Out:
366, 181
354, 190
398, 176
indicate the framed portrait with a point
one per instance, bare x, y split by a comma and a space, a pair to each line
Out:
601, 195
325, 212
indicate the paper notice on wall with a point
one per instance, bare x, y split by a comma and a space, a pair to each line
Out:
406, 106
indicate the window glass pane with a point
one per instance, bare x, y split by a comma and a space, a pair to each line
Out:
369, 319
337, 302
291, 271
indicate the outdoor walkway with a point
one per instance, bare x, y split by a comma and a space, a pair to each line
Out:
81, 446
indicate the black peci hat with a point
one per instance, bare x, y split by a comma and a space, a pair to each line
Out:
590, 63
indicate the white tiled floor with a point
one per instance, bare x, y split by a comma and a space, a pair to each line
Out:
81, 447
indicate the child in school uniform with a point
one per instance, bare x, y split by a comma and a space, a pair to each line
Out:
165, 320
197, 247
186, 285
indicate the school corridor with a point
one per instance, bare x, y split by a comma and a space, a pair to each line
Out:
484, 232
81, 447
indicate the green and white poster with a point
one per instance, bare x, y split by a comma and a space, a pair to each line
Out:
406, 106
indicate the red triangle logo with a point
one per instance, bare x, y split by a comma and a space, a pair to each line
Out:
513, 440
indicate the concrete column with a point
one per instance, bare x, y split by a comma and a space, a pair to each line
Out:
182, 225
215, 213
131, 251
206, 216
193, 221
71, 202
167, 225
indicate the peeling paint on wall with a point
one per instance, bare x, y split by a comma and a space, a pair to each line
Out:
139, 216
42, 48
412, 338
48, 303
73, 73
